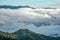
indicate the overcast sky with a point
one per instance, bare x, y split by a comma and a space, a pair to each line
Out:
33, 3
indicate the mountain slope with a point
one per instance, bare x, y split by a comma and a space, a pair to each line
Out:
24, 34
7, 36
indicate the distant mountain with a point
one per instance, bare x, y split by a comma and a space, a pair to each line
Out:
7, 36
24, 34
49, 8
13, 7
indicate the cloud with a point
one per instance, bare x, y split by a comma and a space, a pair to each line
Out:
37, 17
44, 21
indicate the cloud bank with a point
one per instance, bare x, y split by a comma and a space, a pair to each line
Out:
38, 17
42, 21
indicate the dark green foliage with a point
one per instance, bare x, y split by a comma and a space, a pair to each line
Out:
7, 36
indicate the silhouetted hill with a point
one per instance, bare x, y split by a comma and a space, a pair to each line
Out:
13, 7
24, 34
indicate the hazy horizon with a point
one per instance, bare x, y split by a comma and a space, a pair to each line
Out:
32, 3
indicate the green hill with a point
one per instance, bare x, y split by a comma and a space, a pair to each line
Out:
7, 36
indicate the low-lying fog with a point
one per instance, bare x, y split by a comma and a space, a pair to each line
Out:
43, 21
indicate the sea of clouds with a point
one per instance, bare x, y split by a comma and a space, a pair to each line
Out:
44, 21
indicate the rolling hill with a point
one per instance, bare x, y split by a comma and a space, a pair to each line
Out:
24, 34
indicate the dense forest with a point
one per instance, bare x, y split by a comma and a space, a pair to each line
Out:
7, 36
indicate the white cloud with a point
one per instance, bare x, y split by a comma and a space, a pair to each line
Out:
15, 19
31, 16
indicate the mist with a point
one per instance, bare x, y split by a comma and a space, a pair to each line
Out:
15, 19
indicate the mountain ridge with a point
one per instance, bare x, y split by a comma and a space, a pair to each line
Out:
14, 7
25, 34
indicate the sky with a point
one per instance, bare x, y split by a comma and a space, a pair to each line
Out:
33, 3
